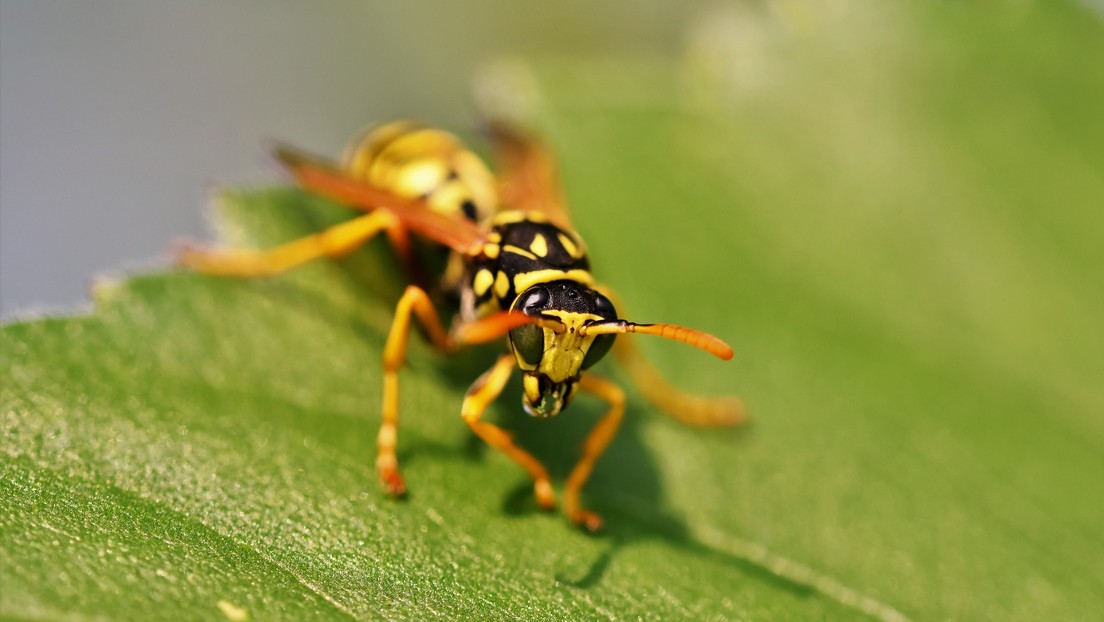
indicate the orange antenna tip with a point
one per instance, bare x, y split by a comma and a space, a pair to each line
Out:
689, 336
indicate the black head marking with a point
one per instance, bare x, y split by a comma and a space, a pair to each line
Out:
564, 296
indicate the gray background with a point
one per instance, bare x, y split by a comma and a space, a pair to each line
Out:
117, 117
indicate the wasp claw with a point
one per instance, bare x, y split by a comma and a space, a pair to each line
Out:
588, 520
546, 498
393, 483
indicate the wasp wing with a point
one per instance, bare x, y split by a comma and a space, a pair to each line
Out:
528, 179
327, 179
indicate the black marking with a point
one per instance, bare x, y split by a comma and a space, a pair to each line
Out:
564, 296
468, 207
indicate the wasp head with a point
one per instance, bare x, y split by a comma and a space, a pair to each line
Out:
552, 354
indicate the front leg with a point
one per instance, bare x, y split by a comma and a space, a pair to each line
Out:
415, 303
482, 393
593, 449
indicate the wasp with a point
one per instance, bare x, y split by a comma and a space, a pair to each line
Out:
516, 269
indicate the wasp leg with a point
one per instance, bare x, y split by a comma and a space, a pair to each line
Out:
333, 242
484, 391
595, 445
414, 302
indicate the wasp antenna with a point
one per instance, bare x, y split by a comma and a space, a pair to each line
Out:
494, 326
689, 336
555, 325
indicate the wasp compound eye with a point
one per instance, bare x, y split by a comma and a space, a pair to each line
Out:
604, 307
598, 349
528, 343
533, 301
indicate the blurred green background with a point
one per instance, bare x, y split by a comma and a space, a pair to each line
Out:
891, 210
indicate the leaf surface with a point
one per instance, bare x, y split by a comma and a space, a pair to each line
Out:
906, 256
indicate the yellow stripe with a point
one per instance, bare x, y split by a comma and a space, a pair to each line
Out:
569, 246
525, 280
510, 248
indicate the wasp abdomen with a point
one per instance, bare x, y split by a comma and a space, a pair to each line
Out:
414, 161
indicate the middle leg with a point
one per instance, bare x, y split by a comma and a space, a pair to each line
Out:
593, 448
414, 303
336, 241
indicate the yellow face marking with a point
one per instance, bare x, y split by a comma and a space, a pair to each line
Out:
539, 245
525, 365
494, 237
532, 387
482, 281
525, 280
570, 246
501, 285
491, 250
564, 351
510, 248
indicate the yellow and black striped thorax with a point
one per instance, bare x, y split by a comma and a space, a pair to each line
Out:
419, 162
524, 249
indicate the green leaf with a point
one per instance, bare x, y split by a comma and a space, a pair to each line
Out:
899, 229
